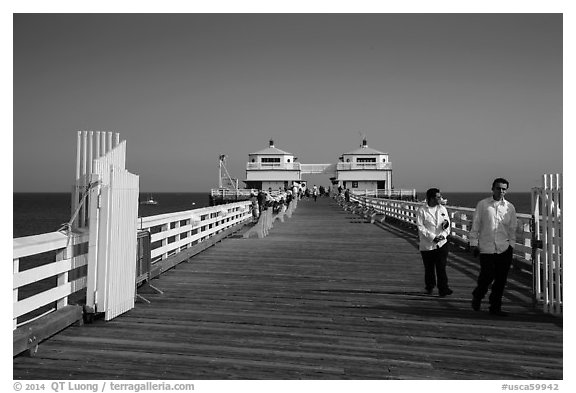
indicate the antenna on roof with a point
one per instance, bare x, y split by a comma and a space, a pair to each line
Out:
363, 137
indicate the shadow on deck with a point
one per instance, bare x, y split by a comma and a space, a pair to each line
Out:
324, 296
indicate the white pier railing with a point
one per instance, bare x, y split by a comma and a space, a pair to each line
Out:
36, 260
387, 193
175, 232
461, 218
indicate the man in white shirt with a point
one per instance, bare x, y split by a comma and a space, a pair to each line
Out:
493, 236
433, 229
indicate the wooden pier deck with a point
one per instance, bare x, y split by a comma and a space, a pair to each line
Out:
324, 296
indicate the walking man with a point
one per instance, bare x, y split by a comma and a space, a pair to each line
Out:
433, 229
493, 236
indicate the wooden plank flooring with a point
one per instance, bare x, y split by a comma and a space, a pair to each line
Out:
324, 296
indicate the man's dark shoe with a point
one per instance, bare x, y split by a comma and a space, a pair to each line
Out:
445, 292
498, 313
428, 291
476, 303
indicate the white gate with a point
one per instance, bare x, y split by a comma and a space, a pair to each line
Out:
109, 209
547, 243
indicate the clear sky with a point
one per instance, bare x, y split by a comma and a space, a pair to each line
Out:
455, 99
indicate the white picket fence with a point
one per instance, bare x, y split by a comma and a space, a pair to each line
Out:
548, 258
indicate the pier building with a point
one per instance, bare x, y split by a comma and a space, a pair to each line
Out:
364, 169
271, 168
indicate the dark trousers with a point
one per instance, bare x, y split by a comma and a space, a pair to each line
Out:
493, 270
435, 268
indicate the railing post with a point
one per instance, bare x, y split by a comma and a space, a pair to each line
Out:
177, 225
165, 227
15, 269
62, 279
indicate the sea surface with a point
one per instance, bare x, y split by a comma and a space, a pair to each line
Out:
522, 201
36, 213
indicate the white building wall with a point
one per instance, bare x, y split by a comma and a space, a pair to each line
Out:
272, 175
363, 175
362, 185
274, 185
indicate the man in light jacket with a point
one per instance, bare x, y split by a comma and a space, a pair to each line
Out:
433, 229
493, 236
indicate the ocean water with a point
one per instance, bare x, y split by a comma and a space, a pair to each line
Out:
36, 213
522, 201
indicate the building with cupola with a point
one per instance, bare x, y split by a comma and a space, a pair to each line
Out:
271, 168
364, 169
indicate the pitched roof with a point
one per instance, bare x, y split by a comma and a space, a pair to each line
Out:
271, 150
364, 150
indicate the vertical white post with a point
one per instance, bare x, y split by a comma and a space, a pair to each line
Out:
15, 269
76, 185
83, 183
78, 148
90, 150
63, 277
165, 228
109, 143
92, 272
177, 238
84, 148
537, 262
103, 150
97, 153
525, 231
545, 262
117, 139
557, 192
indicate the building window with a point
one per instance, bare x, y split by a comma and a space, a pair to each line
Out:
354, 184
271, 160
366, 160
288, 160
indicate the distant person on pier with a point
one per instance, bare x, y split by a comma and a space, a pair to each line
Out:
261, 198
339, 190
493, 236
315, 192
255, 210
433, 229
347, 195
